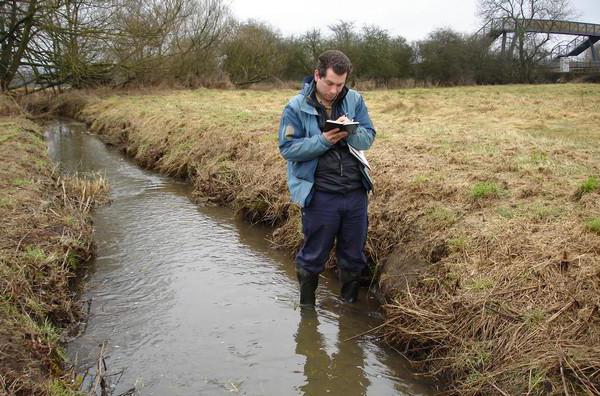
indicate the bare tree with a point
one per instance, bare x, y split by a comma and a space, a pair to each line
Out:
52, 42
70, 44
145, 30
198, 40
17, 27
522, 14
314, 43
253, 54
153, 33
84, 42
345, 37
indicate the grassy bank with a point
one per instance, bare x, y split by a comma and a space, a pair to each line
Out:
46, 234
484, 225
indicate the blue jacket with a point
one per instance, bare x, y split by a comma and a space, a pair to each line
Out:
301, 142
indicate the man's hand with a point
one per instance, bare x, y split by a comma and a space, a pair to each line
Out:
335, 135
343, 119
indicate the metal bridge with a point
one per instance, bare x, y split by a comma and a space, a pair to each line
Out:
565, 65
587, 34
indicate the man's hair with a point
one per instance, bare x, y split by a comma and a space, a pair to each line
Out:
336, 60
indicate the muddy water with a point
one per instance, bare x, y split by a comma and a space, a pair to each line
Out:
193, 301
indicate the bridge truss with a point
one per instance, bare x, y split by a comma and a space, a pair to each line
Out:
586, 35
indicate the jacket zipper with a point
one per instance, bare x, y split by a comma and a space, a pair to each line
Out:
340, 159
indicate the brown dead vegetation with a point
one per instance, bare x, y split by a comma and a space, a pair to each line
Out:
46, 234
486, 240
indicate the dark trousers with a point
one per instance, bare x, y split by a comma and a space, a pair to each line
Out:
334, 216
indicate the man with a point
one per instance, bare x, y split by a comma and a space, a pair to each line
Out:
325, 177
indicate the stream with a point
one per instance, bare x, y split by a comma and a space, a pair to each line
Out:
192, 300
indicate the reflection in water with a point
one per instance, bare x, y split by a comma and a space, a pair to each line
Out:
347, 364
194, 301
310, 344
343, 372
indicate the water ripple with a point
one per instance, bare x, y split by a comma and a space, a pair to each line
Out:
193, 301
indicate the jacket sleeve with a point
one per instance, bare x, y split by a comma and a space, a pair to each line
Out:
293, 144
365, 134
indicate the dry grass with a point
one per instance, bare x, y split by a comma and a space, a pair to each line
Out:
483, 226
46, 233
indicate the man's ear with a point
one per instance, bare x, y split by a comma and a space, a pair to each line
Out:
317, 76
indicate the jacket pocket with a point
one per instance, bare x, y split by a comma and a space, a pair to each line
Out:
302, 170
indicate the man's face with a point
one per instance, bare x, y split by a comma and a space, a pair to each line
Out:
330, 85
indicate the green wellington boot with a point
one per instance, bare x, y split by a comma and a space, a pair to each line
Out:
350, 285
308, 286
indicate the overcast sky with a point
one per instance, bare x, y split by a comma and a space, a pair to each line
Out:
412, 19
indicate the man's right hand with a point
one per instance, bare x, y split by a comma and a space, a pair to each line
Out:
335, 135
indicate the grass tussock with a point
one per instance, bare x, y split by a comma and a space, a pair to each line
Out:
489, 265
46, 234
590, 185
485, 190
593, 225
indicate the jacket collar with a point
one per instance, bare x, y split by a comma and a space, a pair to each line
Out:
308, 91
